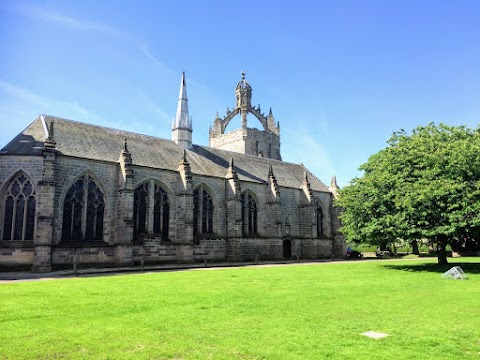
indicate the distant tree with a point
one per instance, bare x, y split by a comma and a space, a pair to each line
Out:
425, 185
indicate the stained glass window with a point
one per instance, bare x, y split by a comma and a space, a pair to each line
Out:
83, 211
207, 213
202, 212
252, 215
319, 219
140, 209
151, 202
19, 216
161, 212
196, 210
249, 214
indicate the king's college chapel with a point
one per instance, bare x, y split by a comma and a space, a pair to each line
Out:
71, 191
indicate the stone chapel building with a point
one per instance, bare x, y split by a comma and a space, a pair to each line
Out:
112, 197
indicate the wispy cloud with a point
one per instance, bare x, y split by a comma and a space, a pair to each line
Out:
29, 99
51, 16
144, 49
300, 145
20, 93
67, 21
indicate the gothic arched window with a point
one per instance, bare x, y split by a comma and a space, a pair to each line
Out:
202, 209
319, 218
19, 215
151, 210
83, 210
249, 214
140, 199
161, 212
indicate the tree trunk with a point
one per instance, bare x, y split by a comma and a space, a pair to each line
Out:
383, 246
415, 247
431, 249
441, 250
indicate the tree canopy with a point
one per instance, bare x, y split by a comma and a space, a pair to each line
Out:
423, 185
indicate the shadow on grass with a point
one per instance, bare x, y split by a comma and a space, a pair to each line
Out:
468, 268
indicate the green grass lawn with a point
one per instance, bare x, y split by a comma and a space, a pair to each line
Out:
293, 312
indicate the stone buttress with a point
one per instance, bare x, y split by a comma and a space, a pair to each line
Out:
45, 206
124, 230
184, 219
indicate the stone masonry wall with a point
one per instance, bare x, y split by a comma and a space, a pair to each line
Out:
248, 249
261, 143
231, 141
292, 218
17, 252
67, 171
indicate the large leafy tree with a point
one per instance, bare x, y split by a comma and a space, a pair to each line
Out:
423, 185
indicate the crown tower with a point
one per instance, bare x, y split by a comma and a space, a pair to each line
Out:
250, 141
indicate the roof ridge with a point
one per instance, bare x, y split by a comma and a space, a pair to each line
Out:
315, 176
266, 159
100, 126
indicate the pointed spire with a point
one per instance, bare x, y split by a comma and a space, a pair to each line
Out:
270, 113
182, 119
182, 124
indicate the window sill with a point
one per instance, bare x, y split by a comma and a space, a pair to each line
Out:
16, 244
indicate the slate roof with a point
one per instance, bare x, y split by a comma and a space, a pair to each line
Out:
100, 143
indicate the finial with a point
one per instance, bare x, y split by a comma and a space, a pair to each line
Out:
333, 182
305, 176
270, 171
125, 146
243, 74
51, 135
184, 155
49, 141
231, 173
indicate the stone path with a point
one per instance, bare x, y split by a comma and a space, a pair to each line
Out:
20, 276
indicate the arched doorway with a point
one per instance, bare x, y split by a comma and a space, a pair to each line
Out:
287, 249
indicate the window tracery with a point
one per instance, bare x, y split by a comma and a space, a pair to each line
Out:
249, 214
202, 210
19, 214
319, 218
83, 211
151, 210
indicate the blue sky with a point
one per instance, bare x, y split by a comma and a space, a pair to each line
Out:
340, 76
